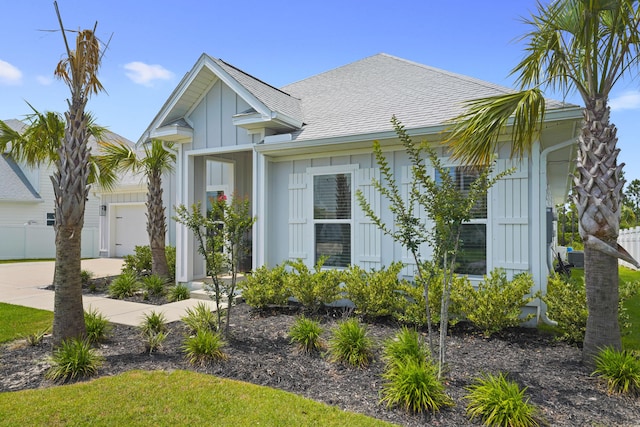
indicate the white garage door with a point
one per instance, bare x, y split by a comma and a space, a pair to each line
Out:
130, 228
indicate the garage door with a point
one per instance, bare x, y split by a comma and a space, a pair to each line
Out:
130, 228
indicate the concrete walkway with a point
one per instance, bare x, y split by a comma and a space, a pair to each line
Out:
23, 284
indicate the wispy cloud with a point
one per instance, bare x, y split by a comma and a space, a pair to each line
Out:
626, 101
145, 74
9, 74
44, 80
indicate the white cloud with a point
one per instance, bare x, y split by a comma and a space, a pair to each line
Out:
627, 101
146, 74
44, 80
9, 74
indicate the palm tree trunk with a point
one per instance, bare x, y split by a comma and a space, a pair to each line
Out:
598, 186
156, 225
71, 191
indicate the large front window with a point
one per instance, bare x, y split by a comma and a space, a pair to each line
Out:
472, 256
332, 218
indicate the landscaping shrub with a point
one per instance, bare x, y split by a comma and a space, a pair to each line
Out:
139, 262
170, 252
125, 285
500, 402
74, 358
414, 309
178, 292
350, 343
153, 330
620, 369
375, 293
154, 284
264, 287
497, 302
203, 347
36, 338
85, 277
306, 333
200, 318
414, 386
313, 288
566, 301
98, 326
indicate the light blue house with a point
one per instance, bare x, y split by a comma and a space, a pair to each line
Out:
300, 152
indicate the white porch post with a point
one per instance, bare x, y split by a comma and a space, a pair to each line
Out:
184, 196
259, 209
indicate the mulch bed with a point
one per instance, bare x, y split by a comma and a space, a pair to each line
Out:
259, 352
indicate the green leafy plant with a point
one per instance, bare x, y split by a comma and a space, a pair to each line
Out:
125, 285
139, 262
497, 302
200, 318
36, 338
405, 345
74, 358
313, 288
86, 276
204, 347
414, 386
154, 284
306, 333
98, 326
620, 369
264, 287
154, 330
499, 402
375, 293
350, 343
178, 292
170, 253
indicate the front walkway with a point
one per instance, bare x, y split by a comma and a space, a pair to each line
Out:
23, 284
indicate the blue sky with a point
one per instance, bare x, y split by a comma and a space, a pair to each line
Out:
154, 43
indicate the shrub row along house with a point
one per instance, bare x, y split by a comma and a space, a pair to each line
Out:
301, 152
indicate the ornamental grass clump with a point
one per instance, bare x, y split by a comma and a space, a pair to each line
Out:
306, 334
74, 358
350, 343
199, 318
178, 292
154, 330
98, 326
154, 284
496, 401
620, 370
411, 378
204, 347
125, 285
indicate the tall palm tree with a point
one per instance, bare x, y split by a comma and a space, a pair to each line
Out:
156, 161
79, 70
585, 46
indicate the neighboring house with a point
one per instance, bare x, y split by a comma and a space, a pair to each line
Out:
300, 153
27, 210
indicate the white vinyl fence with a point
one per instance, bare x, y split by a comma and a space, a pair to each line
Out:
630, 240
38, 241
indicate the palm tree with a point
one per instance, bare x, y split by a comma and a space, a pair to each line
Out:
79, 70
156, 161
573, 45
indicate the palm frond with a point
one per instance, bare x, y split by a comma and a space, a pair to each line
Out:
474, 135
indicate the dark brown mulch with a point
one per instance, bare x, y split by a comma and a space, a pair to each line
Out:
259, 352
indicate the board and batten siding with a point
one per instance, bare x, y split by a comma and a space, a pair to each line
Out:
509, 219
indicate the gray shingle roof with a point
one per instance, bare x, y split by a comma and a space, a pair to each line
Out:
361, 97
15, 185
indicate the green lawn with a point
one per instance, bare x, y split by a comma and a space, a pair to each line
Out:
17, 321
169, 398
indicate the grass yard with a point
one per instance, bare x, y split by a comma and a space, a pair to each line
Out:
17, 321
169, 398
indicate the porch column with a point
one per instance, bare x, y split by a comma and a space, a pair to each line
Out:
259, 209
184, 196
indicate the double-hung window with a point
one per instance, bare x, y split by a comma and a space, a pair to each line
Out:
332, 218
472, 256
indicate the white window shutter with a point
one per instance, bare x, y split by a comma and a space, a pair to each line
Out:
368, 235
297, 215
510, 218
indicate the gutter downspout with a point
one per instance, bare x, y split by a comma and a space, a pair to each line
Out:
542, 307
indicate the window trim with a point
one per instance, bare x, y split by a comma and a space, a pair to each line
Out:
330, 170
